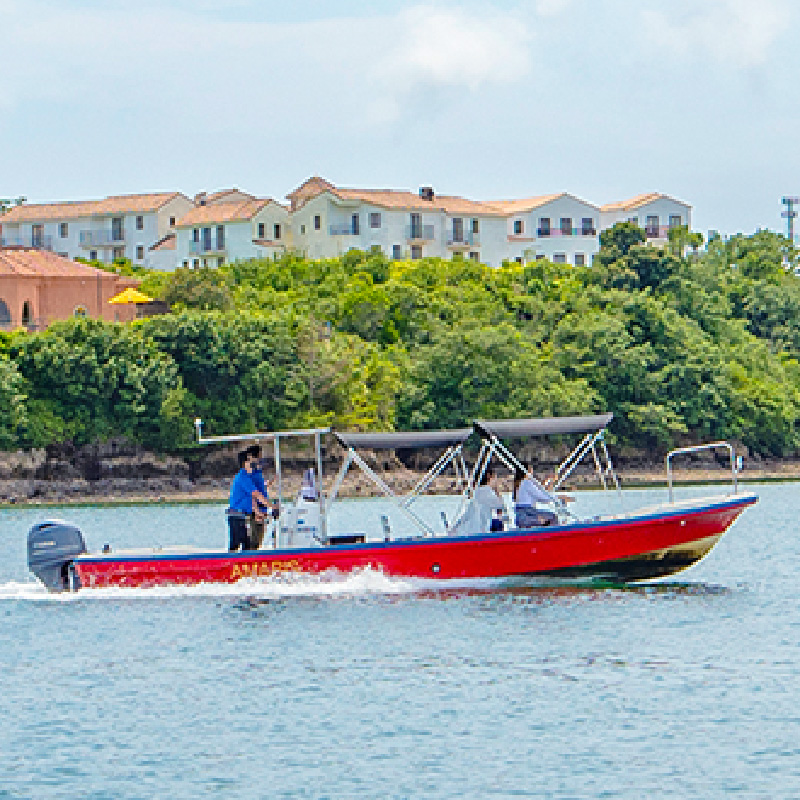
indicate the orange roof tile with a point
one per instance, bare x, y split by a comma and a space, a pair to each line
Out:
117, 204
639, 201
222, 212
30, 262
406, 200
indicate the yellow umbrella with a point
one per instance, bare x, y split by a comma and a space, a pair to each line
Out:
130, 295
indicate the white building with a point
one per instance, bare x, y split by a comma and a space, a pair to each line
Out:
656, 213
124, 226
328, 220
217, 232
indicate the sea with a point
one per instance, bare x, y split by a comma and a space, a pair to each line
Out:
362, 686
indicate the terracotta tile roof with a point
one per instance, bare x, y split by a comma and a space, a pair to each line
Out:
411, 201
30, 262
639, 201
168, 242
222, 212
217, 197
507, 207
118, 204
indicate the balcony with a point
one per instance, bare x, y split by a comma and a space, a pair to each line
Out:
102, 238
344, 229
544, 233
419, 233
38, 242
657, 231
465, 239
204, 248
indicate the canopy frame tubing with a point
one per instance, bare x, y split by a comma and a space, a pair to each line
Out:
452, 455
275, 437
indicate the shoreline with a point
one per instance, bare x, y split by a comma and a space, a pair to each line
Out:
361, 489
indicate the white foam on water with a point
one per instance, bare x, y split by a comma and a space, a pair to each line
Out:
359, 583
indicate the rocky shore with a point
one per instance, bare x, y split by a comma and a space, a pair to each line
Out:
117, 471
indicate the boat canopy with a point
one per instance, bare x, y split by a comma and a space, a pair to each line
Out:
403, 440
545, 426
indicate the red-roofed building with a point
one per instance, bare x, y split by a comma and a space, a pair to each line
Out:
656, 213
38, 287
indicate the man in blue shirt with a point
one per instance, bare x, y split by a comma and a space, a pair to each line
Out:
244, 495
256, 521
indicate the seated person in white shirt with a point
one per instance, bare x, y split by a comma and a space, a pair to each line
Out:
481, 509
527, 493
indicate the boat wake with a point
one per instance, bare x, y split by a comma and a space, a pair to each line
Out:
363, 583
359, 583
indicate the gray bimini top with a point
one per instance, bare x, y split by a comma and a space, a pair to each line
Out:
546, 426
403, 440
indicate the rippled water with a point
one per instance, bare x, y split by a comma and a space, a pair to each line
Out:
367, 687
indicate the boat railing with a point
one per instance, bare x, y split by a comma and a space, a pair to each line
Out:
735, 463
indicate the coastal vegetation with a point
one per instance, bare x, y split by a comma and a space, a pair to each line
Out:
683, 344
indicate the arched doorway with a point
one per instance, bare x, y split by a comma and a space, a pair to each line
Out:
27, 316
5, 315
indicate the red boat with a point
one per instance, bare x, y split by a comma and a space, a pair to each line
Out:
646, 544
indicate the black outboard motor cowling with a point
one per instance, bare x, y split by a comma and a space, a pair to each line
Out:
52, 546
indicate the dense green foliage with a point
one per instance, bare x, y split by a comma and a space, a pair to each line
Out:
682, 345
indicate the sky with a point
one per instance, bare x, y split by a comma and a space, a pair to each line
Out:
604, 99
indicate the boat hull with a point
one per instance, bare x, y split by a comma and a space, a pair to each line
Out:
634, 547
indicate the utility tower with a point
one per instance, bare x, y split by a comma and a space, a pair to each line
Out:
790, 214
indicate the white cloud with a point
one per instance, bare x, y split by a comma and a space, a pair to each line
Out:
122, 56
733, 32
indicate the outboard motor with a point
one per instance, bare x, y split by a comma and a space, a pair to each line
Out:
52, 546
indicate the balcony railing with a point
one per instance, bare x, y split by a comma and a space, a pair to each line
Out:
544, 233
657, 231
40, 242
198, 248
466, 238
102, 238
344, 229
419, 233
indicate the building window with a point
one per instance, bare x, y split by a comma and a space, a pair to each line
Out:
458, 229
416, 226
196, 263
186, 264
93, 255
559, 258
356, 225
117, 234
317, 222
276, 231
118, 253
302, 230
5, 314
205, 263
220, 237
544, 226
139, 252
196, 235
374, 220
63, 230
518, 259
566, 226
416, 251
475, 226
27, 316
587, 227
206, 239
80, 312
139, 223
651, 227
518, 227
220, 261
397, 252
262, 230
474, 255
580, 260
172, 222
675, 221
634, 220
37, 235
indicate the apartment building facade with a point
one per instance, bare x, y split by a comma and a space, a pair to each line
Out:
656, 213
328, 220
222, 231
123, 226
